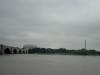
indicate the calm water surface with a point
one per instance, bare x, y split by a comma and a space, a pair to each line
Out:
49, 65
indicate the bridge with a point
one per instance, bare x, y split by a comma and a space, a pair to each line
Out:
4, 49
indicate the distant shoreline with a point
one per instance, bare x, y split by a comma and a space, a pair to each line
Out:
63, 51
60, 51
37, 50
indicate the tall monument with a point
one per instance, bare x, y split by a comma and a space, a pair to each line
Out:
85, 43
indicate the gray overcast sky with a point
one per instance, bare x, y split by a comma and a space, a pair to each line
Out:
50, 23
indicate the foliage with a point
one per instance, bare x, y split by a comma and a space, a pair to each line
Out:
63, 51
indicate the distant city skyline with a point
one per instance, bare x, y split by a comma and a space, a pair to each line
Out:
50, 23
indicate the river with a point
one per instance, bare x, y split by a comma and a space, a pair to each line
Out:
35, 64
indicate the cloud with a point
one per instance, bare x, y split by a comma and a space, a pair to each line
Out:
50, 23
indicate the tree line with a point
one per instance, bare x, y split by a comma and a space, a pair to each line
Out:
63, 51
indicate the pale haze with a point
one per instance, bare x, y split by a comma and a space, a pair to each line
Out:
50, 23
